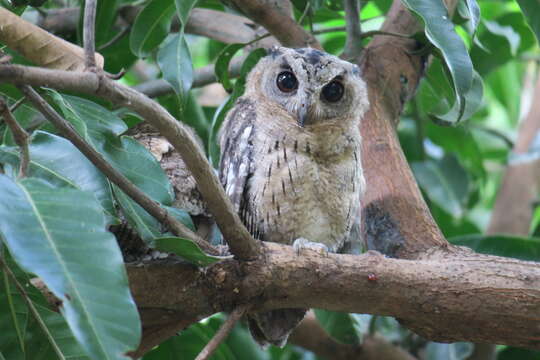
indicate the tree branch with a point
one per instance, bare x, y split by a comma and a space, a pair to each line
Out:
311, 336
19, 135
222, 333
353, 44
397, 220
239, 239
114, 175
89, 34
280, 24
444, 296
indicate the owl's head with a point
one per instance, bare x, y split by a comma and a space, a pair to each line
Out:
312, 86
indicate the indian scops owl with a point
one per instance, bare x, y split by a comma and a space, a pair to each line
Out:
291, 159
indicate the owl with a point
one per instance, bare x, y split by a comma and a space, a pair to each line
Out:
291, 159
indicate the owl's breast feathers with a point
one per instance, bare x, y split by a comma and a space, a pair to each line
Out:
289, 182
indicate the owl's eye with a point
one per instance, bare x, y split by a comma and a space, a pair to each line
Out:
286, 81
333, 91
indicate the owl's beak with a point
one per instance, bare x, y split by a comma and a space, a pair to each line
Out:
303, 111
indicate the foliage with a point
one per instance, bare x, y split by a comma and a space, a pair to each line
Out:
53, 224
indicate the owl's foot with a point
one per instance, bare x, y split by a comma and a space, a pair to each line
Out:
303, 243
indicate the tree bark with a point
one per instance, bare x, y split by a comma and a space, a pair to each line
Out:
446, 295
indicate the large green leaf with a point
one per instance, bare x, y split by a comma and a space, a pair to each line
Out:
55, 160
445, 182
151, 26
440, 32
59, 235
339, 325
531, 10
524, 248
222, 65
174, 60
105, 14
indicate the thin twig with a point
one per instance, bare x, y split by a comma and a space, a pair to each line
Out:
32, 308
222, 333
19, 135
17, 104
353, 44
89, 34
112, 174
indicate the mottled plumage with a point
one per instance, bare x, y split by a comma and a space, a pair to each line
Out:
291, 158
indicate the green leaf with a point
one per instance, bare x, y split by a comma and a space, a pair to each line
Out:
496, 47
445, 182
524, 248
174, 60
222, 65
182, 216
183, 8
55, 160
531, 11
186, 249
473, 13
440, 32
339, 325
101, 128
105, 14
145, 224
507, 32
512, 353
151, 27
33, 335
464, 110
38, 224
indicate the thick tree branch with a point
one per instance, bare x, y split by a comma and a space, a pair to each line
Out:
444, 296
396, 218
240, 241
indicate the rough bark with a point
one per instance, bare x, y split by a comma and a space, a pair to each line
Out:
450, 295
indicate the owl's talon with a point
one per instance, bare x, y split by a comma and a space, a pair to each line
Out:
303, 243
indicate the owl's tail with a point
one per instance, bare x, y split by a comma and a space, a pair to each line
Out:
274, 327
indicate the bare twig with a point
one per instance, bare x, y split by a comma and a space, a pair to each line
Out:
114, 175
32, 308
353, 44
89, 34
19, 135
222, 333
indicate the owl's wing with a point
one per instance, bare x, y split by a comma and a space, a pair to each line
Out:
236, 164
